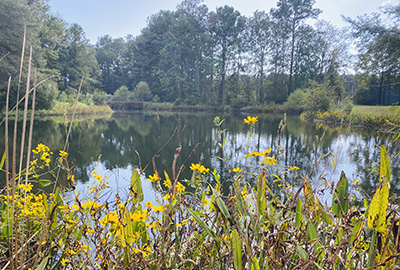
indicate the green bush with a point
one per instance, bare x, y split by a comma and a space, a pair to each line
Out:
318, 97
295, 102
46, 95
142, 92
99, 97
362, 96
122, 94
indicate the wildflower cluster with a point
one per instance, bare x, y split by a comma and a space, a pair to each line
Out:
199, 168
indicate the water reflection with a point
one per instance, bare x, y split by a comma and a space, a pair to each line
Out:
117, 144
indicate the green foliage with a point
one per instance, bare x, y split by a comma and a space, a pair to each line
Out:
99, 97
142, 92
46, 95
318, 97
296, 101
362, 96
121, 95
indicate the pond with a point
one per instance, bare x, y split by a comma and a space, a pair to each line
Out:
116, 145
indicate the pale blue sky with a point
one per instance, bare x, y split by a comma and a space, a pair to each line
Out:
119, 18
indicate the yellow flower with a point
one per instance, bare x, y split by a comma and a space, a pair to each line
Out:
29, 187
265, 152
167, 197
293, 168
251, 120
94, 172
167, 183
244, 191
153, 178
195, 167
180, 188
63, 154
64, 261
183, 223
158, 209
237, 170
270, 160
254, 154
356, 182
203, 169
206, 202
149, 205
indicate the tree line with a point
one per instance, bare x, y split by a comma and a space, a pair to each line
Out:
192, 55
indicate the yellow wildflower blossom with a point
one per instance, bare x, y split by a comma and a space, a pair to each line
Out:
63, 154
149, 205
167, 183
254, 154
265, 152
158, 209
270, 160
251, 120
153, 178
195, 167
183, 223
237, 170
180, 188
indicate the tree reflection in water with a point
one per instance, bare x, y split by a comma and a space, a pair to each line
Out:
126, 140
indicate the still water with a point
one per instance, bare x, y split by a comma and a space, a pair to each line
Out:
116, 145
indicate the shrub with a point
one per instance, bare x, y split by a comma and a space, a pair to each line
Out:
295, 102
46, 95
121, 95
142, 92
318, 97
99, 97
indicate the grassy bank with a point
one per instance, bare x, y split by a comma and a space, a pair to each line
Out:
61, 108
373, 110
382, 118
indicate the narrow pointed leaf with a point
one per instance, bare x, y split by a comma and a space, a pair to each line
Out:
202, 224
385, 170
340, 200
221, 204
136, 187
237, 250
3, 159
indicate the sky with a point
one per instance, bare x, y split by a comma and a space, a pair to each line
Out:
118, 18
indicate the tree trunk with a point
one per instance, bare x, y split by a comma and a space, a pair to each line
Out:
292, 58
222, 88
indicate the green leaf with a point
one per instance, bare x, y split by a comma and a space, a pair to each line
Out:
299, 215
221, 204
43, 264
302, 253
223, 143
3, 159
136, 187
193, 179
237, 250
377, 210
202, 224
254, 264
261, 198
312, 232
340, 200
44, 182
385, 170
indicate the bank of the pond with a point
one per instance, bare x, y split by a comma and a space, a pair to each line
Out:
388, 122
